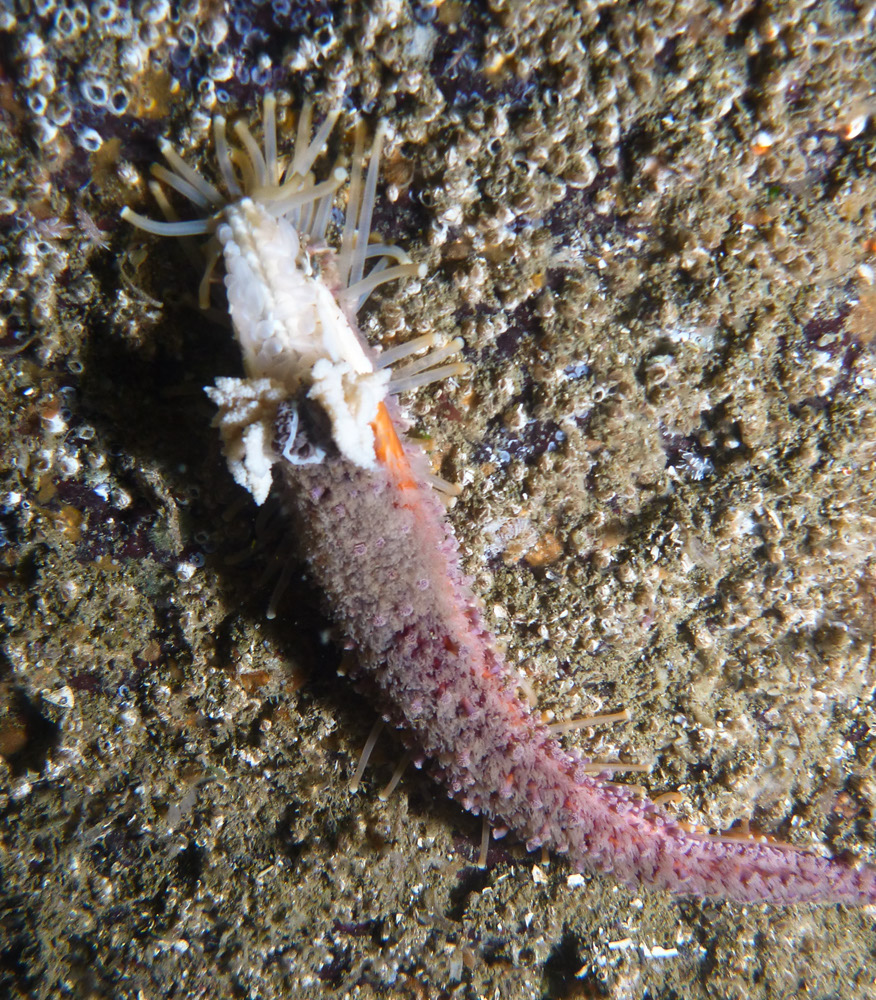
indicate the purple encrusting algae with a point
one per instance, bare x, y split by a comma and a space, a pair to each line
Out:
388, 565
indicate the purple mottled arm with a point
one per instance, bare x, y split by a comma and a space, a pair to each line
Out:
388, 566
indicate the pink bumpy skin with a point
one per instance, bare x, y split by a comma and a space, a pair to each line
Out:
389, 569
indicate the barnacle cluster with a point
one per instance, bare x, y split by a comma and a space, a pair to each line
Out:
83, 66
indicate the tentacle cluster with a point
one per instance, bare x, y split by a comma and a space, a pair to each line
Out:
287, 191
293, 298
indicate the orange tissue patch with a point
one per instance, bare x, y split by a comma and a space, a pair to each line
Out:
389, 450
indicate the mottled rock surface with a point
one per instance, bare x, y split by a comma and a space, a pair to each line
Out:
653, 224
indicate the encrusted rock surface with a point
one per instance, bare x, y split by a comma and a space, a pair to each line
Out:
653, 224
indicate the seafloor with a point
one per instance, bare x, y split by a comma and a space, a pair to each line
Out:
653, 224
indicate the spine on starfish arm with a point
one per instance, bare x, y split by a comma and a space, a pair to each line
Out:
315, 418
